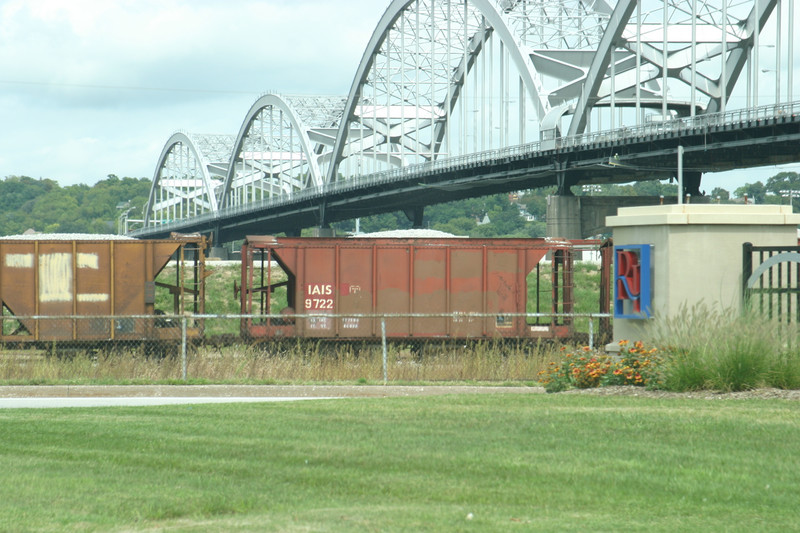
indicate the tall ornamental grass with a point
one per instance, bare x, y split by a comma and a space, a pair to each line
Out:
728, 351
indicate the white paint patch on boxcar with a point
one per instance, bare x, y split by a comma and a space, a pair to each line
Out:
88, 261
19, 260
55, 277
92, 297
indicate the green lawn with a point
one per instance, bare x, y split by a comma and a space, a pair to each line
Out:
515, 462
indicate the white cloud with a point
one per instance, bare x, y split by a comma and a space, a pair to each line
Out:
92, 87
180, 45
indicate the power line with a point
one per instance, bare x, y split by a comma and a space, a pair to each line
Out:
126, 87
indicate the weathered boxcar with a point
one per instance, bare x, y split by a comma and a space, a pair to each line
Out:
113, 280
482, 284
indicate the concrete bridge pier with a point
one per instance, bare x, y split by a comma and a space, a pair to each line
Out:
323, 231
217, 248
564, 217
580, 217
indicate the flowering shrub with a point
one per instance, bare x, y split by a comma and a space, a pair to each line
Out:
587, 368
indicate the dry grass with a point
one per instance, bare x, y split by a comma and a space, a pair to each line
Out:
298, 362
310, 361
32, 366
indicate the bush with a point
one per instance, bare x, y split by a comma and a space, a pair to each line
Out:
587, 368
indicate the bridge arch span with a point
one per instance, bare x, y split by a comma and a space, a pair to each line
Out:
413, 74
675, 58
280, 147
188, 175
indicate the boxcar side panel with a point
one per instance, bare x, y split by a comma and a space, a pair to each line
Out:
430, 290
354, 292
467, 290
316, 283
93, 289
392, 271
130, 271
18, 282
56, 289
130, 266
503, 290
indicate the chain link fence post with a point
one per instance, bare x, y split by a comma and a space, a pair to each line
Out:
183, 347
385, 358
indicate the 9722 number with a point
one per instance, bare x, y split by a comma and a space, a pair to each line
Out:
319, 303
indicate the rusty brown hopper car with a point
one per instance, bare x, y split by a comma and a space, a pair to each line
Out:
112, 280
377, 276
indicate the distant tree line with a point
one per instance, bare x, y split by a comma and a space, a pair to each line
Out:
775, 191
43, 205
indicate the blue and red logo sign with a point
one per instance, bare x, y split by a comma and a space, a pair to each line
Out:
632, 281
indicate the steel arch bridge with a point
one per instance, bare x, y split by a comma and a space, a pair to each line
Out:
447, 78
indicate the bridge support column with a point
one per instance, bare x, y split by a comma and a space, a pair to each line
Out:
218, 252
322, 232
563, 185
324, 229
415, 215
691, 184
564, 217
216, 248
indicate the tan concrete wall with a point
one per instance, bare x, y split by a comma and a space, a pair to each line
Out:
697, 254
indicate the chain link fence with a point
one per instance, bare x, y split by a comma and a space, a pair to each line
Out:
290, 348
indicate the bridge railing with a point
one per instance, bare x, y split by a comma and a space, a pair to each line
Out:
449, 164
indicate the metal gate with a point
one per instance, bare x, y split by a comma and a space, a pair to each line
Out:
772, 288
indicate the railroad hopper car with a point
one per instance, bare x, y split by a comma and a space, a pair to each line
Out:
112, 280
482, 284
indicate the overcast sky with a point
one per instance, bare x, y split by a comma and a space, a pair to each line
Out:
96, 87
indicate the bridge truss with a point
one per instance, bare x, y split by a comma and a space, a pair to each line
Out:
448, 78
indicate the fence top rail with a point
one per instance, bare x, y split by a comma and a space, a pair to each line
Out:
306, 315
773, 248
